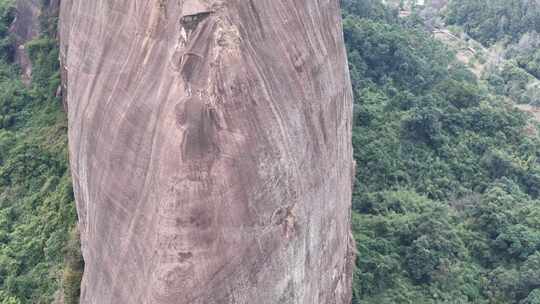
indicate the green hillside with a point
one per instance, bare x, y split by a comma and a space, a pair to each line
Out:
511, 32
36, 201
446, 203
446, 207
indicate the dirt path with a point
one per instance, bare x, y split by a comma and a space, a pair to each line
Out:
534, 111
470, 52
467, 51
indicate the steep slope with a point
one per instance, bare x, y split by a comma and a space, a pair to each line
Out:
210, 150
37, 208
25, 27
447, 199
32, 20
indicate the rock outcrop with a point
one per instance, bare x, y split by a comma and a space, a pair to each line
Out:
210, 147
27, 26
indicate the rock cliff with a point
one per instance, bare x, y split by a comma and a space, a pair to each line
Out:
210, 147
25, 27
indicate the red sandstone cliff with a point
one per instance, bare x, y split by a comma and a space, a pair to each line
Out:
210, 150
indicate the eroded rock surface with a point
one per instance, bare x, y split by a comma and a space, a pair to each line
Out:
210, 145
25, 27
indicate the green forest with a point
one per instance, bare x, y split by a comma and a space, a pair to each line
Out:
37, 212
446, 205
490, 21
511, 28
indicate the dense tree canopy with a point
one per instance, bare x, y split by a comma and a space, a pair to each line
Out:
446, 201
36, 201
446, 207
490, 21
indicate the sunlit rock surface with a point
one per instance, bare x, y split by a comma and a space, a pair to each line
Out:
210, 145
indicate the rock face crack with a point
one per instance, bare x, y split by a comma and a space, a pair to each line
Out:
210, 146
190, 22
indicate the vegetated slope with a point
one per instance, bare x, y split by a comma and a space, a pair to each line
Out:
36, 201
446, 204
490, 21
512, 30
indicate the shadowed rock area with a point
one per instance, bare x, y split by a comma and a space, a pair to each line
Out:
210, 147
25, 27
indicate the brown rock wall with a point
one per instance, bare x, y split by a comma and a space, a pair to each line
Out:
210, 145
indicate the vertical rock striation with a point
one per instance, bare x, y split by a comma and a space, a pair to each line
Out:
210, 146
